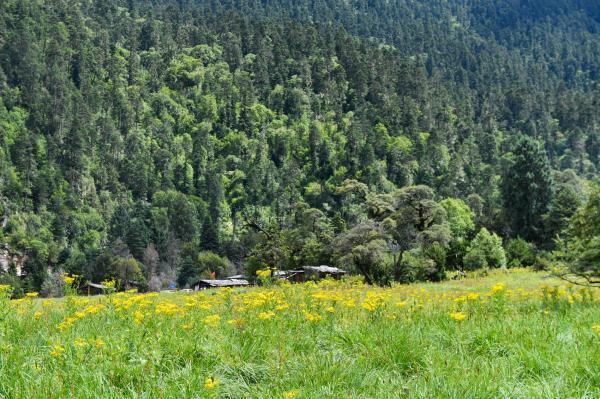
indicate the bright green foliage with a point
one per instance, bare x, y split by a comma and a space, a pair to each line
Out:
460, 217
461, 222
563, 206
520, 253
485, 251
205, 264
128, 125
578, 253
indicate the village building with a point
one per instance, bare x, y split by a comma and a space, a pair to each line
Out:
94, 289
208, 284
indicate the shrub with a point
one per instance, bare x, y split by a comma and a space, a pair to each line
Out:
578, 254
542, 262
423, 264
520, 253
485, 251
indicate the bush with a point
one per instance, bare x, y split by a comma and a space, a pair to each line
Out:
205, 264
542, 262
578, 254
520, 253
423, 264
485, 251
14, 282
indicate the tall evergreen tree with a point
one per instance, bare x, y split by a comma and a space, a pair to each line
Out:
527, 188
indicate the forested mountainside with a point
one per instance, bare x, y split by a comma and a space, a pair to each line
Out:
163, 141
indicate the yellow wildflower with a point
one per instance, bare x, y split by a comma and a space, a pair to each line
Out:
498, 287
313, 317
350, 303
138, 317
109, 283
32, 294
37, 315
211, 383
458, 316
236, 322
66, 323
79, 343
282, 306
596, 328
99, 344
5, 289
266, 315
263, 273
212, 320
57, 350
68, 279
167, 308
291, 394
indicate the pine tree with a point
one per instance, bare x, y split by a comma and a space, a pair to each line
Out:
527, 189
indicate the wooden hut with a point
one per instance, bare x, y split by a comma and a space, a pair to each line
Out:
321, 272
94, 289
207, 284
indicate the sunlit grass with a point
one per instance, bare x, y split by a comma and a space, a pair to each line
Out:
518, 334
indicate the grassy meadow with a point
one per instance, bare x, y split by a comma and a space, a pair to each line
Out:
509, 334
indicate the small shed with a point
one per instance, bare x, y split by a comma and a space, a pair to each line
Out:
293, 276
323, 271
94, 289
207, 284
236, 277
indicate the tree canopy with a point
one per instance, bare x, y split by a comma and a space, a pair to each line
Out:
276, 134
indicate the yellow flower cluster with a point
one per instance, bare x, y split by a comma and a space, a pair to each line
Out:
5, 290
313, 317
314, 305
211, 383
88, 310
57, 350
375, 300
266, 315
458, 316
110, 283
263, 273
212, 320
498, 287
68, 279
167, 308
472, 296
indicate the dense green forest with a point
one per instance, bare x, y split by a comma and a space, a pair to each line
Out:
166, 141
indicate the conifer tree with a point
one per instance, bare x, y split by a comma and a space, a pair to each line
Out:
527, 188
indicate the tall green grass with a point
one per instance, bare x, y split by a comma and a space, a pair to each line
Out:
530, 338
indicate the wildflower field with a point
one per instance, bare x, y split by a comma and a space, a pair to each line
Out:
514, 334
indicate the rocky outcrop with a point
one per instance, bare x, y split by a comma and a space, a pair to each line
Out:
7, 259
